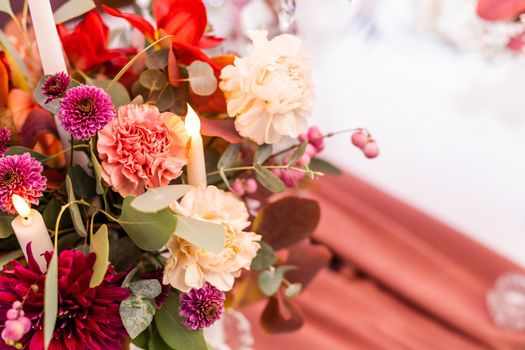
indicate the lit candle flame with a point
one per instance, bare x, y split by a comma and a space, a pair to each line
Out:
21, 206
192, 122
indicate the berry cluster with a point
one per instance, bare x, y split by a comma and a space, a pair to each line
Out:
16, 326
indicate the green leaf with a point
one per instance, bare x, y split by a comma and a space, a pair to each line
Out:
97, 168
203, 234
5, 6
271, 280
4, 259
50, 299
262, 153
100, 246
142, 339
173, 332
149, 231
156, 342
202, 78
119, 94
6, 229
73, 209
268, 179
157, 59
320, 165
299, 152
83, 185
73, 9
153, 79
21, 150
264, 259
147, 289
159, 198
293, 290
166, 98
229, 158
136, 314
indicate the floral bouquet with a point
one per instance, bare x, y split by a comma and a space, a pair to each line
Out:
137, 184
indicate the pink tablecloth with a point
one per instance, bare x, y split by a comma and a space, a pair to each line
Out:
420, 284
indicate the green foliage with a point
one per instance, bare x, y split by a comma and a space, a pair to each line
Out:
5, 258
5, 6
298, 153
159, 198
320, 165
119, 94
262, 153
264, 259
153, 79
173, 332
268, 179
136, 314
270, 280
97, 169
293, 290
6, 229
73, 9
83, 185
74, 210
21, 150
147, 289
157, 59
203, 234
100, 246
51, 299
148, 231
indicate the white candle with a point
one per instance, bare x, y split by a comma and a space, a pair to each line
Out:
50, 49
196, 164
29, 226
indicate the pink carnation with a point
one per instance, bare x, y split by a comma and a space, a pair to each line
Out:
142, 148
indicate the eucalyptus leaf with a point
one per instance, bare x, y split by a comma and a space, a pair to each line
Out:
159, 198
73, 209
119, 94
5, 6
97, 168
156, 342
148, 231
270, 280
136, 314
203, 234
202, 78
153, 79
268, 179
262, 153
100, 246
318, 164
229, 158
21, 150
51, 299
264, 259
83, 185
166, 98
298, 153
147, 289
4, 259
73, 9
6, 229
293, 290
157, 59
172, 330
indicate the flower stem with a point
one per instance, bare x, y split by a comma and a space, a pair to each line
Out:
251, 167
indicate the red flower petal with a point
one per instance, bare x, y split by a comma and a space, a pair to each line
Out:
135, 20
209, 42
189, 22
497, 10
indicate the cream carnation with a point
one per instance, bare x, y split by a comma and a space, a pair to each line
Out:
270, 92
189, 266
142, 148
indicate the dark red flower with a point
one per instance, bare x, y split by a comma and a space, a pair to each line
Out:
88, 318
185, 20
86, 44
499, 10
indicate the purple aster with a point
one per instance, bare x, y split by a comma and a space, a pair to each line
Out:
85, 110
55, 86
21, 175
5, 136
201, 307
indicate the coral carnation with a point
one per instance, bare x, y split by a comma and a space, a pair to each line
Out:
142, 148
21, 175
189, 266
200, 308
88, 318
269, 92
85, 110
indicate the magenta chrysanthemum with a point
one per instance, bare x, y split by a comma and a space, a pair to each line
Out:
201, 307
21, 175
5, 136
85, 110
55, 86
88, 318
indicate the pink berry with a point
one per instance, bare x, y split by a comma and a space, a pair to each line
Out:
371, 150
311, 150
314, 133
360, 139
14, 330
12, 314
303, 138
26, 322
237, 187
17, 305
250, 186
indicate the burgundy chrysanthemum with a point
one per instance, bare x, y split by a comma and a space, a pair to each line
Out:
88, 318
200, 308
21, 175
55, 86
85, 110
5, 136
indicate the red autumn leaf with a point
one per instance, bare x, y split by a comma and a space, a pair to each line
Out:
173, 68
224, 128
309, 259
287, 221
281, 315
39, 121
4, 84
500, 10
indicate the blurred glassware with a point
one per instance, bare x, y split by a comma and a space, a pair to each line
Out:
232, 332
506, 302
